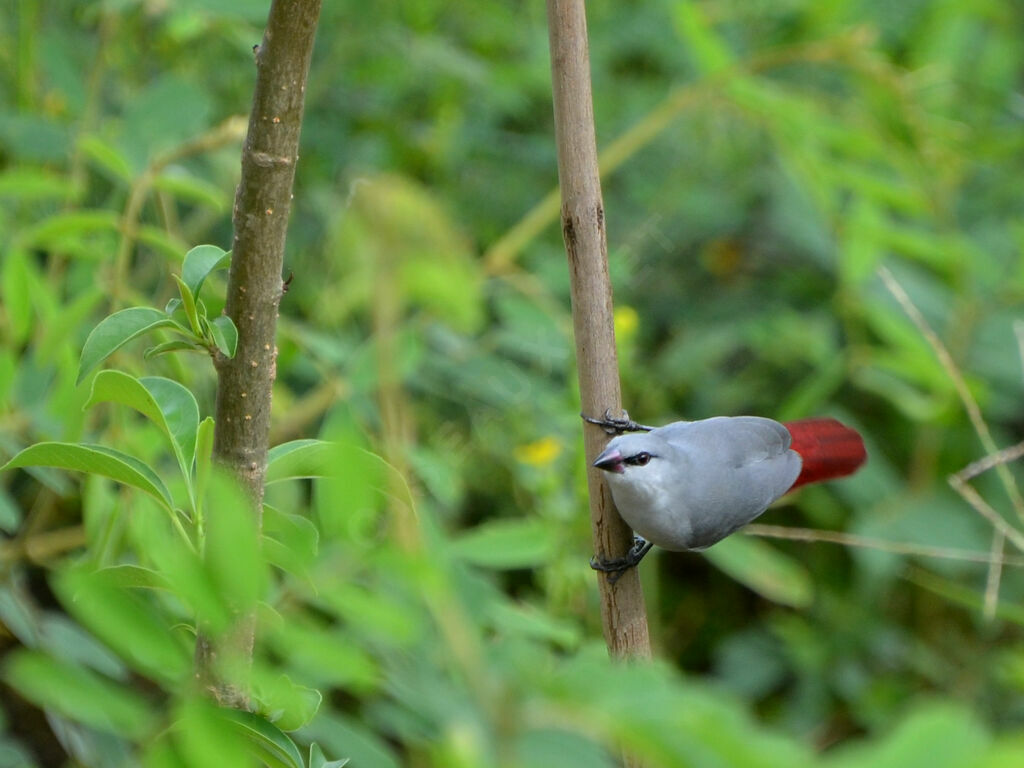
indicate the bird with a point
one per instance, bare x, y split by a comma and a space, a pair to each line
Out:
689, 484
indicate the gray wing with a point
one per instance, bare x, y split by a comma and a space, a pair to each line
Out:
731, 469
739, 440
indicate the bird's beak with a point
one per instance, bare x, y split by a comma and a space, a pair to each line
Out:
610, 460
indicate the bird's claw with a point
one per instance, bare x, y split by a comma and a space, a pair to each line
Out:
616, 426
618, 566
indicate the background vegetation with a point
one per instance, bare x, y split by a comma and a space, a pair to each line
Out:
762, 161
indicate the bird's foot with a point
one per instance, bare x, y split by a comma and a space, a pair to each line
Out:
614, 426
616, 567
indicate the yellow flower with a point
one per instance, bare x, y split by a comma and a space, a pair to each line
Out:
626, 322
539, 453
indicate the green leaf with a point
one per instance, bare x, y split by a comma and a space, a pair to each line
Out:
64, 322
166, 403
936, 735
225, 335
127, 621
78, 694
289, 541
517, 543
272, 745
107, 157
161, 241
181, 567
707, 47
10, 513
204, 456
19, 614
232, 547
319, 458
174, 345
208, 736
291, 705
317, 759
353, 737
97, 460
526, 620
300, 459
763, 569
66, 639
35, 185
134, 576
117, 330
75, 224
200, 262
188, 301
15, 280
176, 181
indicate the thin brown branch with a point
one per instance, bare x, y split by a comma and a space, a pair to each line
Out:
623, 613
951, 369
1004, 456
813, 535
41, 547
995, 573
980, 427
983, 508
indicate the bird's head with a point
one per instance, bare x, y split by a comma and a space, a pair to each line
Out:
635, 455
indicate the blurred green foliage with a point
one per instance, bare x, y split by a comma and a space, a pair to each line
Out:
761, 161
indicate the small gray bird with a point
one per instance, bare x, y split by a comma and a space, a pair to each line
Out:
690, 484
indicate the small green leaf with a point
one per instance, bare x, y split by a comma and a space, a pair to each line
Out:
135, 576
174, 345
36, 185
159, 240
289, 542
127, 621
96, 460
518, 543
317, 759
180, 565
934, 735
273, 746
764, 569
78, 694
709, 50
207, 736
291, 705
15, 289
300, 459
117, 330
166, 403
176, 181
295, 531
108, 157
10, 513
188, 301
232, 546
200, 262
204, 455
225, 335
321, 458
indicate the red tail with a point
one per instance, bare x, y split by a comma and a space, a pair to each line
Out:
828, 448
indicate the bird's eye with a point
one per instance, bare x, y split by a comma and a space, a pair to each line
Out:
640, 459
